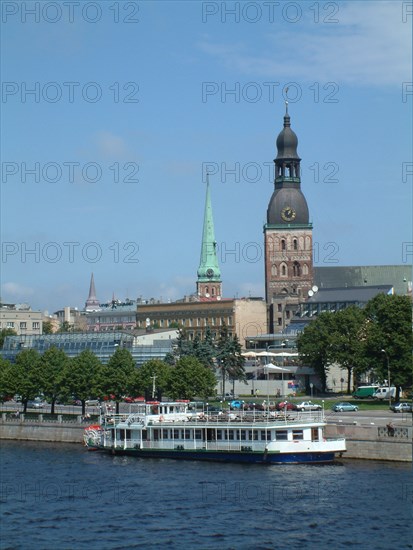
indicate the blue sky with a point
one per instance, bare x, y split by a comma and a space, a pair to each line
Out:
132, 100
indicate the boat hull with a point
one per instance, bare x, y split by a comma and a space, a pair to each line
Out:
225, 456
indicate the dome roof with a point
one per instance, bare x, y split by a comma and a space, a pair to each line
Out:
287, 142
287, 206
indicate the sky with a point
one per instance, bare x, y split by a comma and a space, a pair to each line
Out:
112, 112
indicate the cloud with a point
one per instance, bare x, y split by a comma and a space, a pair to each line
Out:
370, 45
111, 145
15, 291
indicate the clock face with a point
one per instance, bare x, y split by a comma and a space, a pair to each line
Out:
210, 273
288, 214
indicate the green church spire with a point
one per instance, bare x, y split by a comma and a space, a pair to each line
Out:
209, 274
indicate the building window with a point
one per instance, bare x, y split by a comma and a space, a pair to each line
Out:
280, 307
283, 247
280, 321
296, 269
213, 291
274, 271
10, 324
305, 269
35, 325
23, 325
295, 244
284, 270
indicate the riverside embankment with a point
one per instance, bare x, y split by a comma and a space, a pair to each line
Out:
363, 441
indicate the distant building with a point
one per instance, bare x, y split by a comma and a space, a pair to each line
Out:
243, 317
112, 316
21, 318
74, 318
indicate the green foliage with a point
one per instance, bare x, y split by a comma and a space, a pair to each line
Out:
229, 358
26, 375
189, 379
354, 338
313, 345
6, 332
6, 379
144, 381
65, 327
53, 363
389, 328
85, 377
118, 375
47, 327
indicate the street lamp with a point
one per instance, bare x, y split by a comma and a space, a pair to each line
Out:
388, 373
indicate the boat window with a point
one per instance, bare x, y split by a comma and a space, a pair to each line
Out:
231, 434
297, 434
281, 435
264, 435
187, 434
255, 435
243, 435
156, 434
198, 434
165, 434
176, 434
219, 434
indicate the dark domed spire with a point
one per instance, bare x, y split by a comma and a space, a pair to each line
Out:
287, 141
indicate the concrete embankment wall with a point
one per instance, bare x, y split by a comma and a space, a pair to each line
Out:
374, 442
44, 431
366, 442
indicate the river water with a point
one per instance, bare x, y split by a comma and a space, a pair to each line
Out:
65, 497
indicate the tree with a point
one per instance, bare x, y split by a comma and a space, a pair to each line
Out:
152, 378
347, 341
230, 360
118, 375
47, 327
54, 363
189, 378
65, 327
389, 329
84, 377
26, 375
314, 345
6, 379
6, 332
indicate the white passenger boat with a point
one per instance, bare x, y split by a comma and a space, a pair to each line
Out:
171, 430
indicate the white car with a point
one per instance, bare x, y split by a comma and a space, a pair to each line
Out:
308, 406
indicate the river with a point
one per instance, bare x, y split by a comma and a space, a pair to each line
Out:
65, 497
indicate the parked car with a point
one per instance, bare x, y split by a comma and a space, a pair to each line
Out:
308, 406
401, 407
286, 405
35, 404
236, 404
342, 407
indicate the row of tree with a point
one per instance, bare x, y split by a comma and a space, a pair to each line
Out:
376, 339
60, 379
187, 372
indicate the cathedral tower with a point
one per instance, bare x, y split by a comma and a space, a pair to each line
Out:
287, 235
209, 285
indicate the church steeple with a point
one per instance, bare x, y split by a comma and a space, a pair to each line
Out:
287, 204
209, 275
287, 235
92, 303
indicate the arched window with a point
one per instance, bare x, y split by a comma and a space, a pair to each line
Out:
296, 269
295, 244
274, 271
284, 270
283, 247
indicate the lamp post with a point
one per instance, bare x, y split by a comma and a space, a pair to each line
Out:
388, 373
